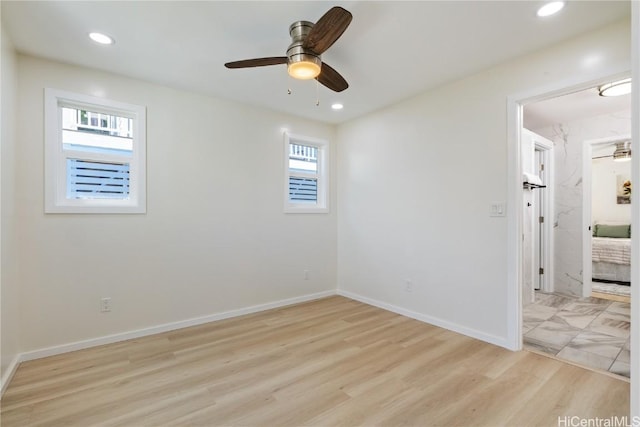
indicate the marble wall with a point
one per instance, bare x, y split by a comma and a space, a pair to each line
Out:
568, 140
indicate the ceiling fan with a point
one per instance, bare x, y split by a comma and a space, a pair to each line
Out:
308, 42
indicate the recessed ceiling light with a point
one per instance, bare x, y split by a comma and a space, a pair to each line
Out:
101, 38
621, 87
550, 8
337, 106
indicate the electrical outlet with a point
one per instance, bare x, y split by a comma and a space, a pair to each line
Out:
306, 275
105, 304
408, 285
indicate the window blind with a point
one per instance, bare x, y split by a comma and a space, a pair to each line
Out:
97, 180
303, 189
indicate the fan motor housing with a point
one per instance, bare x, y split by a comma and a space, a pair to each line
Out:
299, 30
295, 52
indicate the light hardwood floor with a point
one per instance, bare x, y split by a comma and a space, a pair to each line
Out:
619, 298
329, 362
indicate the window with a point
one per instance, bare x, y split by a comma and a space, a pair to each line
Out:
306, 180
94, 155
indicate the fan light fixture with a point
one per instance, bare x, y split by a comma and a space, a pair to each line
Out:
308, 42
623, 151
303, 70
621, 87
303, 63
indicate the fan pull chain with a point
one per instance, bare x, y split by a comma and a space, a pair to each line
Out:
317, 93
288, 91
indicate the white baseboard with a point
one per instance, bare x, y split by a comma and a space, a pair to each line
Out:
8, 374
473, 333
109, 339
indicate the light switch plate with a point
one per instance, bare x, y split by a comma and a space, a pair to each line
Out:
497, 209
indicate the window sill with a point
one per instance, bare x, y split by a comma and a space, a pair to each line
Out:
305, 210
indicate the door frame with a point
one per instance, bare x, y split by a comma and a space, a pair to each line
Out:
587, 214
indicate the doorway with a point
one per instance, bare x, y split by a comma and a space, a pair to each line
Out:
607, 211
566, 322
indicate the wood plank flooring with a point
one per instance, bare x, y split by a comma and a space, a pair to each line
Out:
619, 298
331, 362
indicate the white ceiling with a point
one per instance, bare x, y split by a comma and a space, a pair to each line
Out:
391, 51
578, 105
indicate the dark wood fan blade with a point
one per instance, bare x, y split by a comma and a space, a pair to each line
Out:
257, 62
327, 30
332, 79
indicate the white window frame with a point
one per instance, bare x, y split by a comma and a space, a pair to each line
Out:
322, 175
56, 200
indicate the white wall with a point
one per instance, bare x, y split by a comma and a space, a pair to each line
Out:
9, 284
605, 208
417, 180
569, 139
214, 238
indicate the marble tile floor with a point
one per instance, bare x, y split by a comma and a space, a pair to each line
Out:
591, 332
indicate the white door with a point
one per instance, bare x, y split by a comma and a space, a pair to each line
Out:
528, 224
537, 218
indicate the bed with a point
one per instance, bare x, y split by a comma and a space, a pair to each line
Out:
611, 254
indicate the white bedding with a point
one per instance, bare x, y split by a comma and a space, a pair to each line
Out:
615, 251
609, 272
